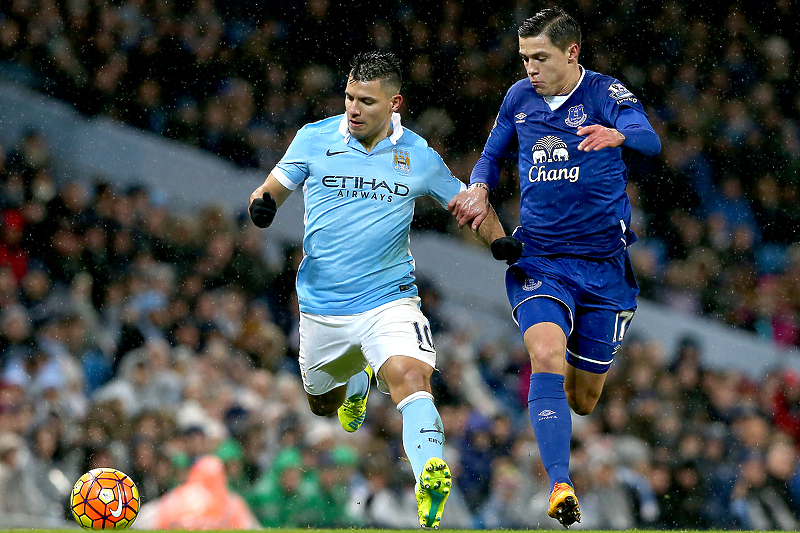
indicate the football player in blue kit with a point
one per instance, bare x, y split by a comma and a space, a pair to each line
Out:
360, 173
570, 283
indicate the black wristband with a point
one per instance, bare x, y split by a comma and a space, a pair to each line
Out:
508, 249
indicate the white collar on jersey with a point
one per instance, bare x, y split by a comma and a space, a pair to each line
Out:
394, 137
556, 101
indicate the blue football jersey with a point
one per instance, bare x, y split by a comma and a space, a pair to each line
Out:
358, 212
572, 202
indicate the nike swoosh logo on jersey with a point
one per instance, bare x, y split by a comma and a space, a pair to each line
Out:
120, 502
329, 153
429, 431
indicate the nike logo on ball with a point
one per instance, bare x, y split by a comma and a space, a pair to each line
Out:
120, 503
329, 153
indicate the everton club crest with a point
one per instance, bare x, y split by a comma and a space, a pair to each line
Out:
575, 116
531, 284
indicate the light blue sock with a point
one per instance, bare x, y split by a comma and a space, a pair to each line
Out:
423, 432
551, 419
358, 385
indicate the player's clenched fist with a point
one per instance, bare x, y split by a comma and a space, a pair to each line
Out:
508, 249
262, 210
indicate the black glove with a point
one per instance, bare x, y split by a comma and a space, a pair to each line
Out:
507, 249
262, 210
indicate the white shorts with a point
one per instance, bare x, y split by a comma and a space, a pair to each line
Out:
333, 348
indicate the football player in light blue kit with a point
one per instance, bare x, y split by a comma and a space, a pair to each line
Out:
360, 173
570, 285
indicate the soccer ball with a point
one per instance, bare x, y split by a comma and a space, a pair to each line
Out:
104, 498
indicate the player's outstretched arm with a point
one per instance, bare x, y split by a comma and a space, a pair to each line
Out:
471, 205
508, 249
490, 228
265, 201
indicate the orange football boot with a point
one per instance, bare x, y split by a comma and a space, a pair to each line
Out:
564, 505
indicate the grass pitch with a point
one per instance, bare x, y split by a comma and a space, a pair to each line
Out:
360, 530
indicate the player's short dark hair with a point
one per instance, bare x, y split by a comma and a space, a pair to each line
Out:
556, 24
383, 66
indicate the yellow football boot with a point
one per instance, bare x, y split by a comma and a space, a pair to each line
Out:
354, 409
433, 488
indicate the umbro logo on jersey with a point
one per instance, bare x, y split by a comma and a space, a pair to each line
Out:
547, 413
520, 117
329, 153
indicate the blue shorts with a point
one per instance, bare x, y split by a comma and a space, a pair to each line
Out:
592, 300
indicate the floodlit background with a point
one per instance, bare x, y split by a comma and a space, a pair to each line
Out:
145, 322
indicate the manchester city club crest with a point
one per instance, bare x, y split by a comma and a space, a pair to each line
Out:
401, 161
575, 116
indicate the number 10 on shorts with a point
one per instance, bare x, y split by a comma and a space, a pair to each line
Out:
424, 337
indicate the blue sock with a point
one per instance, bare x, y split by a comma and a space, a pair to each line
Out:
552, 424
423, 433
358, 385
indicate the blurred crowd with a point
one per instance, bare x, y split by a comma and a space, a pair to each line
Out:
139, 337
136, 336
717, 210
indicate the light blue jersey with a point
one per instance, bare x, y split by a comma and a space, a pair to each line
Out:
358, 211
